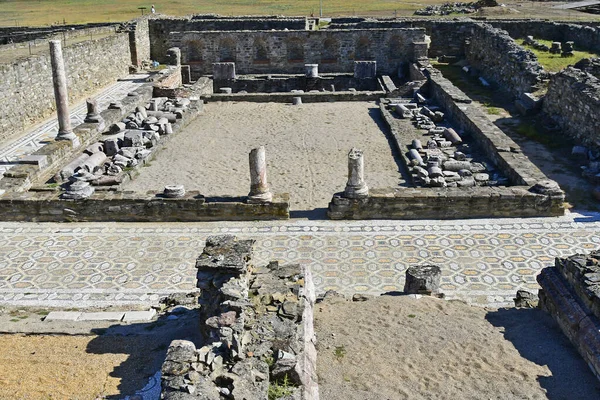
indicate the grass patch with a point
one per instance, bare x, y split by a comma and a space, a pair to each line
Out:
411, 315
554, 62
492, 110
339, 352
280, 388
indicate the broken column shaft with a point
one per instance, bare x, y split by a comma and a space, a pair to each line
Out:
59, 78
259, 188
356, 186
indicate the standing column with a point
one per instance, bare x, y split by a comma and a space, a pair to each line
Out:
59, 78
259, 188
356, 186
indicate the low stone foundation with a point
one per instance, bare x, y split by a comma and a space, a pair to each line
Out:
446, 203
46, 206
571, 295
257, 329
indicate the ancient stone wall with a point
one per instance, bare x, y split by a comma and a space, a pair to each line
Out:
160, 28
573, 101
288, 51
447, 37
26, 91
585, 36
570, 295
139, 41
502, 61
20, 35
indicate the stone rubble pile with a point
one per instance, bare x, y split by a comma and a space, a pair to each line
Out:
257, 322
564, 49
455, 8
123, 146
530, 41
444, 160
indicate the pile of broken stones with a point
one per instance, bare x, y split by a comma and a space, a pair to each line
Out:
125, 145
445, 160
252, 329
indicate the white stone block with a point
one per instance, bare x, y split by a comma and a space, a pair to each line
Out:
63, 316
101, 316
132, 316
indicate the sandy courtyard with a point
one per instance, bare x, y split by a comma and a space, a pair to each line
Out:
397, 347
306, 147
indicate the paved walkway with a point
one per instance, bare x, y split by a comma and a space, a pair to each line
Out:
47, 130
99, 264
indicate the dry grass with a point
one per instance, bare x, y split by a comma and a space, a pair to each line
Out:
46, 12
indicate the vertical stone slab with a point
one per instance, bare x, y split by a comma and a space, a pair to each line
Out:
223, 71
174, 56
356, 186
365, 69
259, 187
59, 78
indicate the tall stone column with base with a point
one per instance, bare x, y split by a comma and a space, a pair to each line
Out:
259, 188
356, 187
59, 78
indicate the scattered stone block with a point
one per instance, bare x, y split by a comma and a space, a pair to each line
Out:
133, 316
101, 316
62, 316
424, 279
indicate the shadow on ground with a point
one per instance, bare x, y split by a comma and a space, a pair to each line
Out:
146, 344
539, 339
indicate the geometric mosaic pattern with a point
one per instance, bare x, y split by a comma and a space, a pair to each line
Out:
87, 264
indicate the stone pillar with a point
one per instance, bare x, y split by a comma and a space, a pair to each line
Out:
174, 56
59, 78
312, 70
259, 188
223, 71
93, 115
365, 69
423, 279
356, 186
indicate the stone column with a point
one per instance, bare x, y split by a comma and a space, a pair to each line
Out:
259, 188
356, 186
93, 115
312, 70
59, 78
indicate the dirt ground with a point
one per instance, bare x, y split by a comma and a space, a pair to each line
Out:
78, 363
306, 150
398, 347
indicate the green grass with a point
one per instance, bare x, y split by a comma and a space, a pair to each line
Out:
339, 352
492, 110
554, 62
279, 388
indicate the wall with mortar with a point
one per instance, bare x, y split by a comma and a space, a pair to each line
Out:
447, 37
573, 101
501, 60
160, 28
585, 37
21, 34
26, 91
139, 41
288, 51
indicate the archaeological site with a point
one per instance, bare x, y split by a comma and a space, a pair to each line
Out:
271, 207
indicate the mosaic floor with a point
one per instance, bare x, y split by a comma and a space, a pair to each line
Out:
86, 264
46, 131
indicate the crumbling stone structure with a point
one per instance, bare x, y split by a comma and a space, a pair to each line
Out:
571, 295
257, 329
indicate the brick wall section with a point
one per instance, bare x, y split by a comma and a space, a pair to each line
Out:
447, 37
26, 91
160, 28
501, 60
573, 101
288, 51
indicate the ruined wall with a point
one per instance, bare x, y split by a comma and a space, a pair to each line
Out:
501, 60
160, 28
288, 51
16, 35
573, 101
26, 91
139, 41
447, 37
586, 37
